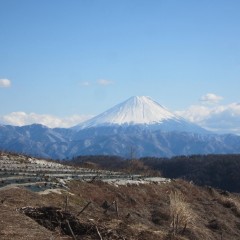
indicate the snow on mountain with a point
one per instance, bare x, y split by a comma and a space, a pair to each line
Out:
135, 110
141, 111
139, 123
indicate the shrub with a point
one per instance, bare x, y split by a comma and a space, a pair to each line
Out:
181, 213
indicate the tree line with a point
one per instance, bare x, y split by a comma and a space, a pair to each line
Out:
219, 171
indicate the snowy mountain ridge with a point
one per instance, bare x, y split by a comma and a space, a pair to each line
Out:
135, 110
143, 112
139, 123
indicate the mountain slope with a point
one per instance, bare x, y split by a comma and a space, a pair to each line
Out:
135, 110
141, 111
36, 140
146, 142
145, 212
138, 123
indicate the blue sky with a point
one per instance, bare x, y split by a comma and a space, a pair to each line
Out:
65, 58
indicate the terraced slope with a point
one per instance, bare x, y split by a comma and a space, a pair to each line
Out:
39, 174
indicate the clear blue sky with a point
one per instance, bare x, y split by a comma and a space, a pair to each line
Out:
67, 57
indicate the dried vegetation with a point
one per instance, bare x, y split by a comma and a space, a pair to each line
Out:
97, 210
91, 210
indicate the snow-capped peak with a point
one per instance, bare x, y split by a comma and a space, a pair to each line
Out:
135, 110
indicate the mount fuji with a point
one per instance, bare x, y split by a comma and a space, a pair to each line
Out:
142, 112
138, 125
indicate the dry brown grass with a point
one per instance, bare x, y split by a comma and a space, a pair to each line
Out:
181, 214
145, 212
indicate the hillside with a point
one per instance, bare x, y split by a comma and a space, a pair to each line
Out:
219, 171
144, 212
94, 209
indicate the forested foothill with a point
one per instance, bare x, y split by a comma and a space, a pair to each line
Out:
219, 171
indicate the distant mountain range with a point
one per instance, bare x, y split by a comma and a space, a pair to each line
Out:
139, 126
